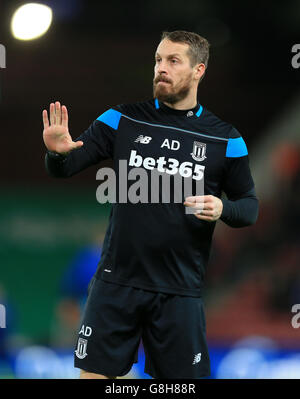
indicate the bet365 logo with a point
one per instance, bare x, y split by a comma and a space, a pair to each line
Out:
2, 56
170, 166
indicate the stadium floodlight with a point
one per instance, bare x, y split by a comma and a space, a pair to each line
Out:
31, 21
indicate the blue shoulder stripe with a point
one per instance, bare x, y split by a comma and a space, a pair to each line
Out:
236, 148
111, 118
199, 112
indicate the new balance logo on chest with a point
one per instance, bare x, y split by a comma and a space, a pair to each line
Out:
143, 139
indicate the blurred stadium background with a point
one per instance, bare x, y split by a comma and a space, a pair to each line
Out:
98, 54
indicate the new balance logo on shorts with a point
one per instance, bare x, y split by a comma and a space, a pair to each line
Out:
197, 358
143, 139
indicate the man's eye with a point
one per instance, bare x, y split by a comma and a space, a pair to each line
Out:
174, 61
157, 60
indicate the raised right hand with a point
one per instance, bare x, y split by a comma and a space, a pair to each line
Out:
56, 135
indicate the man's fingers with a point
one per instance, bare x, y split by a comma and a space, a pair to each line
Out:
78, 144
199, 198
45, 119
64, 116
199, 205
192, 199
52, 114
57, 113
204, 213
200, 202
204, 207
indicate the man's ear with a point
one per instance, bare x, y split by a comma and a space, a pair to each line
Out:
199, 71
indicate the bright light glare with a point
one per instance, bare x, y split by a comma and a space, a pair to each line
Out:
31, 21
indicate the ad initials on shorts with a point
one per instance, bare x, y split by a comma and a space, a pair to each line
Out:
86, 331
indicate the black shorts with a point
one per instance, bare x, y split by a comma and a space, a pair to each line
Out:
116, 318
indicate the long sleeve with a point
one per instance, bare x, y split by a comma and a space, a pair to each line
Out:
241, 212
54, 164
98, 145
240, 209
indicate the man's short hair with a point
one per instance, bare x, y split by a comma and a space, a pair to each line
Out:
198, 45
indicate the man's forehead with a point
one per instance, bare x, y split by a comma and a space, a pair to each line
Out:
167, 47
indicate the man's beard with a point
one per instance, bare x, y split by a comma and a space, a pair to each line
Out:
167, 93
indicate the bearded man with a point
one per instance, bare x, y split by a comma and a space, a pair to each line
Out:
149, 281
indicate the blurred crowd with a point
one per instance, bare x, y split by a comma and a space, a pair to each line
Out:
258, 266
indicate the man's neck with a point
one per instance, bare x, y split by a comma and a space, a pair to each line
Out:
185, 104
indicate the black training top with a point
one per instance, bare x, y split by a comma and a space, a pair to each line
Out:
159, 246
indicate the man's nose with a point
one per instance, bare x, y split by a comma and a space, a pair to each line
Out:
162, 68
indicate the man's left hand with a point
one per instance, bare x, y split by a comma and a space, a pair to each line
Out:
207, 207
